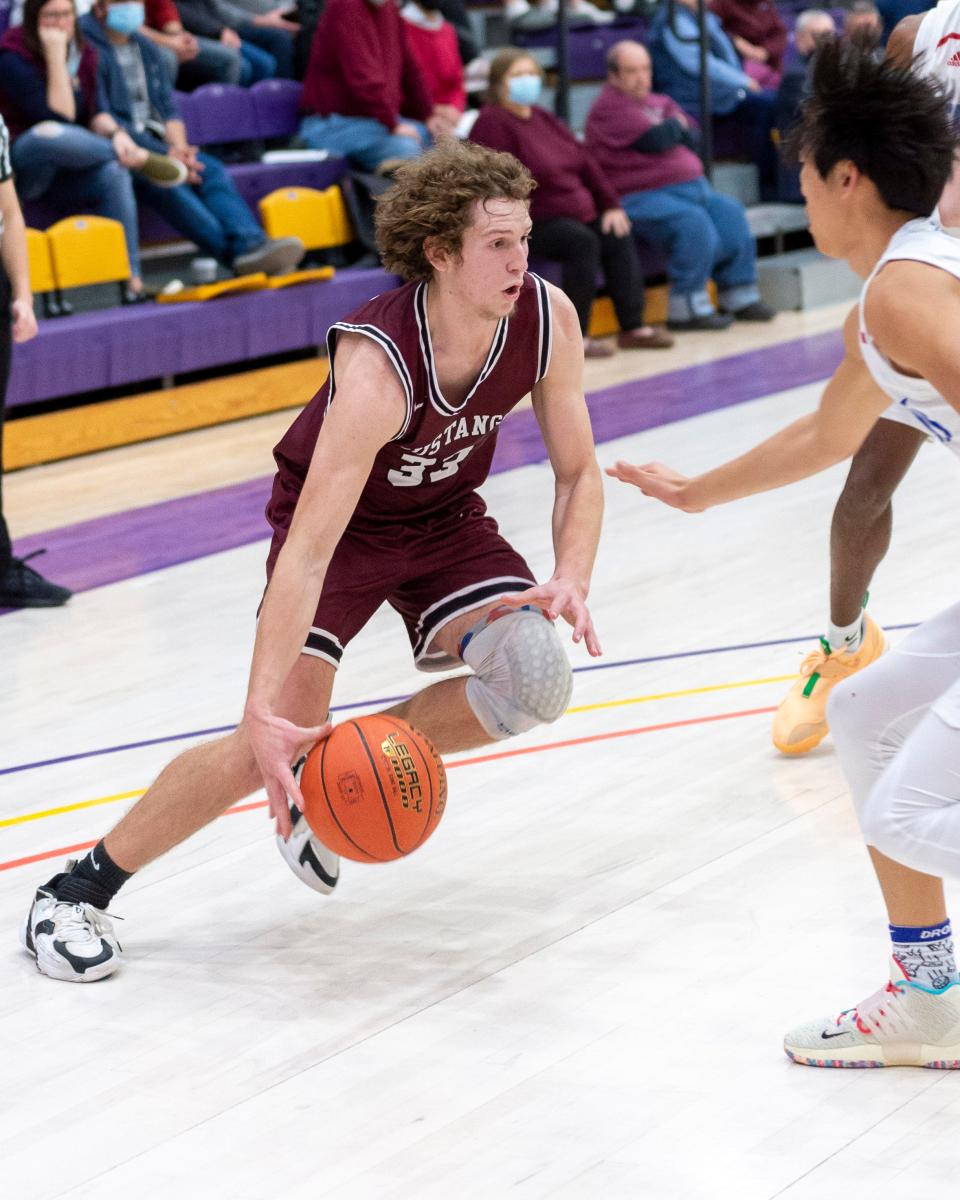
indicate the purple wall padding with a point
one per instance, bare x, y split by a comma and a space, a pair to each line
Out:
119, 346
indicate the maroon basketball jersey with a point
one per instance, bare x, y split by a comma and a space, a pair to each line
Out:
443, 451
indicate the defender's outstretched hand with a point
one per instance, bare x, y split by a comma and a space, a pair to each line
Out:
658, 481
561, 598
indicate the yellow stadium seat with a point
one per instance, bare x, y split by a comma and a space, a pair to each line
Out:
318, 218
42, 278
88, 250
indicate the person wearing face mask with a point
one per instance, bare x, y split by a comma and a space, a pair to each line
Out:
138, 102
577, 218
48, 97
363, 94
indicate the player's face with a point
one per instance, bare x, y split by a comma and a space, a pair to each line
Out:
493, 258
825, 213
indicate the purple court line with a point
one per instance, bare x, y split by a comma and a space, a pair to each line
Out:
123, 545
625, 662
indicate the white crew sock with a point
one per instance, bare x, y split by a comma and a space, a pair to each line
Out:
846, 638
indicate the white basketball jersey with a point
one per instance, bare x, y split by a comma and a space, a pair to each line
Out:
916, 402
937, 48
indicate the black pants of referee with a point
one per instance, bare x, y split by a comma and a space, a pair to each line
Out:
6, 339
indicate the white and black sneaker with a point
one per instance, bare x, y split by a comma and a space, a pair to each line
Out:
73, 942
306, 856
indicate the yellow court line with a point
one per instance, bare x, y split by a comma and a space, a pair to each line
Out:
697, 691
582, 708
56, 812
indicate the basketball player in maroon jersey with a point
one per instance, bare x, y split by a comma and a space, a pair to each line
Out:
375, 500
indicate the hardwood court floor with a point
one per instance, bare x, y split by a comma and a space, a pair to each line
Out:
578, 988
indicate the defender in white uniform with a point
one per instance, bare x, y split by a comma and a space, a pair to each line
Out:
877, 145
863, 517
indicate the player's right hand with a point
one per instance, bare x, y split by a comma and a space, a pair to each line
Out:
657, 481
276, 744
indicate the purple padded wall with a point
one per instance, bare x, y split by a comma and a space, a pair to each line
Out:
121, 346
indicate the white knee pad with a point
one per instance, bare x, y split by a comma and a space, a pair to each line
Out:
522, 676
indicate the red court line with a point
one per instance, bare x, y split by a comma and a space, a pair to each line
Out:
463, 762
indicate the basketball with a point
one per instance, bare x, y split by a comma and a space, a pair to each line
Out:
374, 790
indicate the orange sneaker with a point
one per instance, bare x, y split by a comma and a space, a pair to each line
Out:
800, 722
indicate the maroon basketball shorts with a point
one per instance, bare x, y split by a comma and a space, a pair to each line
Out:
431, 572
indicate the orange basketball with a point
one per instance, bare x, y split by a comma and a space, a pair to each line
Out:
374, 790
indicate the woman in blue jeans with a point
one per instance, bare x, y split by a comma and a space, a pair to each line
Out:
48, 95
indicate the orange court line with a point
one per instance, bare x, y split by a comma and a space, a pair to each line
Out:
463, 762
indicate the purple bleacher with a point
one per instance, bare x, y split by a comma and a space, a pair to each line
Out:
277, 105
253, 180
256, 180
222, 112
186, 105
588, 45
123, 346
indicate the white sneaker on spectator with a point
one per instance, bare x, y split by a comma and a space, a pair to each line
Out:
599, 16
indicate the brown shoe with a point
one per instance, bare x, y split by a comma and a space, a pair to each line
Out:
650, 338
597, 348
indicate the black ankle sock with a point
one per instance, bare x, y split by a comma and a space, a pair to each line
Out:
95, 879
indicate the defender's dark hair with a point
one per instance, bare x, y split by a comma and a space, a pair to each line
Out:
891, 123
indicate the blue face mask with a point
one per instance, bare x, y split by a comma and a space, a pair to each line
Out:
126, 17
524, 89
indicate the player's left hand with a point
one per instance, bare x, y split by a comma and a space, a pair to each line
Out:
658, 481
276, 744
561, 598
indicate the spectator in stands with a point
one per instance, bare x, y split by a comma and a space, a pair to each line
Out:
190, 60
642, 142
863, 24
271, 26
208, 209
48, 96
758, 34
893, 11
433, 41
812, 27
734, 95
676, 60
363, 92
577, 218
20, 585
256, 46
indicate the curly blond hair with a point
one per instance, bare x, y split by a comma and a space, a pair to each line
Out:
433, 197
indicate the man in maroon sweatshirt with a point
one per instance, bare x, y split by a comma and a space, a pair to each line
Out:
643, 143
363, 92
